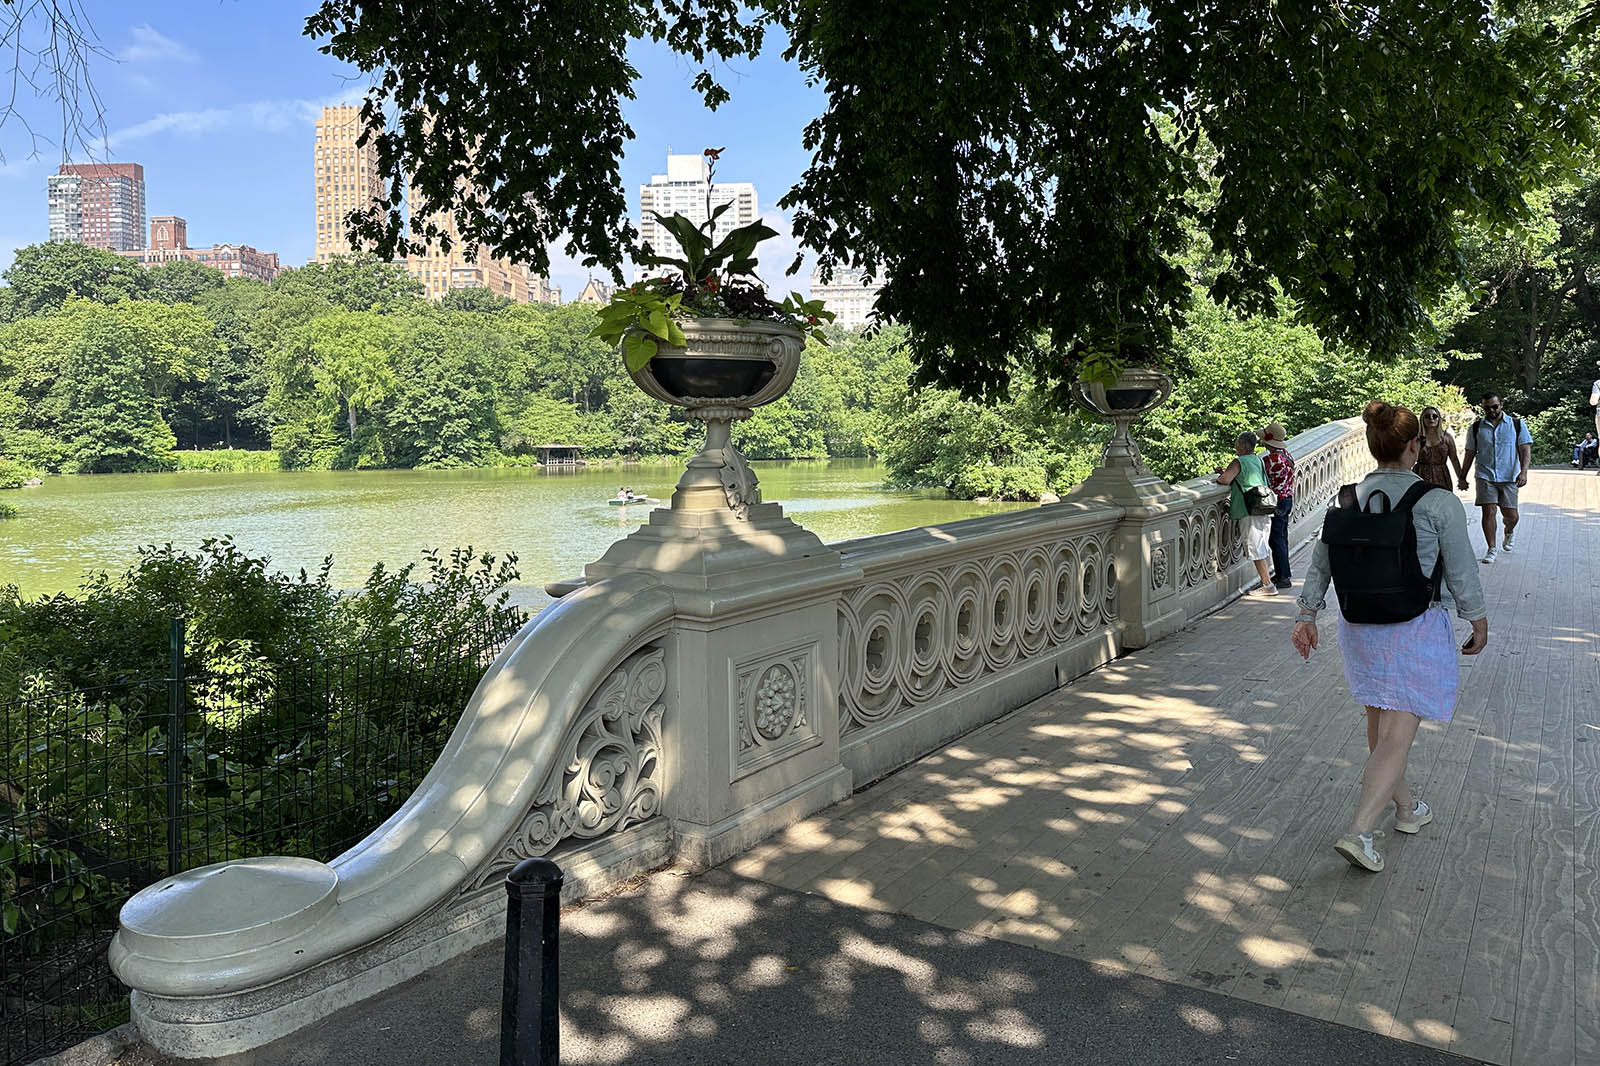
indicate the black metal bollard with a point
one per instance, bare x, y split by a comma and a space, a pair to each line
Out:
530, 1029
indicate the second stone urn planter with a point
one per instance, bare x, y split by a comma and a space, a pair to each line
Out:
727, 368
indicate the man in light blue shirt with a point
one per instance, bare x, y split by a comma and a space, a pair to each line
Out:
1503, 449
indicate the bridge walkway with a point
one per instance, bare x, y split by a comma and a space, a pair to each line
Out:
1172, 815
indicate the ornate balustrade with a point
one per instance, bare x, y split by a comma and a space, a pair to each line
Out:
942, 616
721, 675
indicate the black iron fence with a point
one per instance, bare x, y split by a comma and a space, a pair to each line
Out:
104, 791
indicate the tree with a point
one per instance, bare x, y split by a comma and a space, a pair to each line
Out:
443, 411
1537, 284
184, 281
43, 276
473, 298
351, 357
1038, 220
355, 283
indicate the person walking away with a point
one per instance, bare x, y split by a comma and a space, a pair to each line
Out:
1405, 670
1438, 452
1279, 466
1243, 473
1503, 449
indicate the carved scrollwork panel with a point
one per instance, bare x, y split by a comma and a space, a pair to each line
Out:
608, 774
907, 639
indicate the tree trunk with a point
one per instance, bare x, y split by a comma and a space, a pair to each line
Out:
227, 431
351, 408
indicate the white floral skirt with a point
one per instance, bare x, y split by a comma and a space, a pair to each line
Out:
1410, 666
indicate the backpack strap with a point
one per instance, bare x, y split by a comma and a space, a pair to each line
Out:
1415, 493
1407, 502
1347, 496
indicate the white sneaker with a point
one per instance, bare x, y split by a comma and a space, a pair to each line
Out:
1574, 462
1506, 547
1489, 556
1421, 814
1358, 850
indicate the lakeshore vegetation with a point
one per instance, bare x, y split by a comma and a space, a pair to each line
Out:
108, 367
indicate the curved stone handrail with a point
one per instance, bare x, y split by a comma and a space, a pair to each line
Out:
730, 675
243, 925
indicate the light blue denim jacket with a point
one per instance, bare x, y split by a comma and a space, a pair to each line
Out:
1441, 526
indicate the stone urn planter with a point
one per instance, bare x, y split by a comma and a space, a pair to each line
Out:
727, 368
1138, 391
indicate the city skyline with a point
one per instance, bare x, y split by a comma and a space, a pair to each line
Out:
229, 153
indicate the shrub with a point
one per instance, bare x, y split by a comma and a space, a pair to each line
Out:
229, 460
13, 475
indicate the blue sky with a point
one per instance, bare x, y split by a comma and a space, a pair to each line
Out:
217, 99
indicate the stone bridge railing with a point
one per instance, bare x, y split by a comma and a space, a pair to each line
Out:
714, 679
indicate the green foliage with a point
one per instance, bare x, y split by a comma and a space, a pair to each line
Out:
183, 281
1294, 138
641, 318
354, 283
228, 460
42, 277
311, 714
7, 511
86, 387
474, 299
238, 610
13, 474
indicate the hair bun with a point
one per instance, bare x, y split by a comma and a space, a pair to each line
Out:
1375, 411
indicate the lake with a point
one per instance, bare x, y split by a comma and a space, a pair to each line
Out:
554, 520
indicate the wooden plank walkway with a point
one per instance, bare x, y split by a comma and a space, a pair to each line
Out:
1173, 814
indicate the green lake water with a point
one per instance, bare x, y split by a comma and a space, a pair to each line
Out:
554, 521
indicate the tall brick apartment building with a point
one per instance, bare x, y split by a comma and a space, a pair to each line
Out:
98, 204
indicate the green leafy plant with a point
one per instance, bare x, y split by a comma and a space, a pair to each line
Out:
711, 278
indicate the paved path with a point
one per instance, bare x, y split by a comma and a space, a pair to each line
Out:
1171, 816
719, 969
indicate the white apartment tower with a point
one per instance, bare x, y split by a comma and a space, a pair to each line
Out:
345, 177
682, 190
848, 296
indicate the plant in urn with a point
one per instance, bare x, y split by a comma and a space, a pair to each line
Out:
706, 337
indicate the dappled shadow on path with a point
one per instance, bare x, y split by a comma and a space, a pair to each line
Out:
1171, 815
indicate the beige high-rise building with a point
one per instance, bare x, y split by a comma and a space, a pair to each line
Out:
346, 177
440, 271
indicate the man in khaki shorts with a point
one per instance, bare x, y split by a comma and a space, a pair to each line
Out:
1503, 448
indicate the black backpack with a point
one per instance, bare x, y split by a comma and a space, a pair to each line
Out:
1472, 432
1373, 558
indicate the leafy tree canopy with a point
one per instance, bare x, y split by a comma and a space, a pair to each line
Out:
355, 283
184, 281
43, 276
1035, 211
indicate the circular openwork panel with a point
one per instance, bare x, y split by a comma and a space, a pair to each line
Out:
969, 622
1064, 593
1037, 600
926, 639
1004, 589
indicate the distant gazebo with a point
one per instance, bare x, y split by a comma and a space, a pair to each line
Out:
559, 455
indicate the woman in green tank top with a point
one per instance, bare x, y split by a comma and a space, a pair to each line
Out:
1243, 472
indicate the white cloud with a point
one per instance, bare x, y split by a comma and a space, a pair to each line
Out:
150, 45
776, 253
266, 116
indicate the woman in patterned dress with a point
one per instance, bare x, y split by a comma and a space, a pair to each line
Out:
1438, 451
